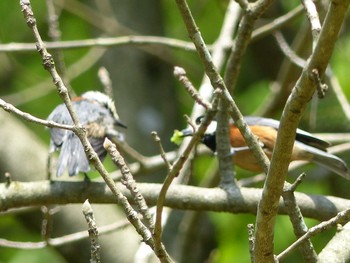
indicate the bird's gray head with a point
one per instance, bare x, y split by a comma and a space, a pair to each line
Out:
105, 101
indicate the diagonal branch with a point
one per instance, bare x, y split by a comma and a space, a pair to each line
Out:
292, 112
49, 65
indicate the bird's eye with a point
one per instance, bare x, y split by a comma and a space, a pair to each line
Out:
199, 120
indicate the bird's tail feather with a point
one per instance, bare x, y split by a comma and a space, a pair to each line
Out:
72, 157
329, 161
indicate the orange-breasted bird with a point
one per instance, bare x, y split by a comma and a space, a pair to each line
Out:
97, 113
306, 147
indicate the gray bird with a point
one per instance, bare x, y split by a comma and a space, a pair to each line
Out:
97, 113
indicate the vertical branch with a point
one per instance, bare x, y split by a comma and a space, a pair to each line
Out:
106, 81
339, 93
93, 232
218, 83
177, 166
223, 143
313, 17
252, 11
223, 146
206, 90
55, 34
251, 241
301, 95
307, 250
46, 226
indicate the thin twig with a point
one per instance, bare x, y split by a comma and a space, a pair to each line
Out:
128, 180
49, 65
93, 232
223, 142
252, 11
8, 178
55, 34
132, 40
41, 89
313, 17
180, 74
339, 93
277, 24
64, 240
46, 226
106, 81
144, 162
287, 51
307, 250
177, 166
28, 117
251, 240
231, 19
341, 218
161, 149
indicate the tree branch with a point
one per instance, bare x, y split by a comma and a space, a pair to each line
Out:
292, 112
178, 197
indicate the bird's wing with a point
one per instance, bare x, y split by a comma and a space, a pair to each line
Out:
301, 135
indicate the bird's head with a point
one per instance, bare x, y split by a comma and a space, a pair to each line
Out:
208, 138
105, 101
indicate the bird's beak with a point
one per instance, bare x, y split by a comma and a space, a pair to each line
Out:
121, 124
187, 132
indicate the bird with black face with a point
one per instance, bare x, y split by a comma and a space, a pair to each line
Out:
306, 146
97, 113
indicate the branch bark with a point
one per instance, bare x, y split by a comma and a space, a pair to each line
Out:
19, 194
301, 94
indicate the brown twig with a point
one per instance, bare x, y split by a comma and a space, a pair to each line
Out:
73, 71
251, 241
129, 182
252, 11
340, 218
161, 149
28, 117
106, 81
287, 51
132, 40
277, 23
63, 240
177, 166
180, 74
55, 34
307, 250
315, 23
93, 232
